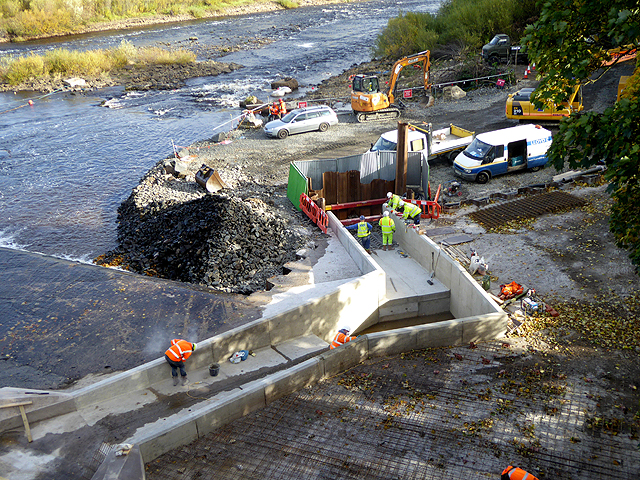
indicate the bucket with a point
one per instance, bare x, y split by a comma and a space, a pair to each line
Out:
214, 369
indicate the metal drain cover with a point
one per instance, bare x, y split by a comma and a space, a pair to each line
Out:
528, 207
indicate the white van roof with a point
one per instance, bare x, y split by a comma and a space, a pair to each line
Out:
511, 134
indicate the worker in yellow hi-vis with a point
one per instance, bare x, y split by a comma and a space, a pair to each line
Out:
388, 226
411, 212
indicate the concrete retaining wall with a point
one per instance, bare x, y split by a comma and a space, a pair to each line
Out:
352, 303
259, 393
467, 296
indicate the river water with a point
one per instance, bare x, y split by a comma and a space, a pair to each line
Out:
66, 162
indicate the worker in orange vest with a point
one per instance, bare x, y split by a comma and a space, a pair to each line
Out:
274, 112
283, 108
515, 473
176, 355
341, 338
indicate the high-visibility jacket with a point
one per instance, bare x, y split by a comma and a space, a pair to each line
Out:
411, 210
364, 229
387, 225
283, 108
274, 109
515, 473
180, 350
393, 203
340, 339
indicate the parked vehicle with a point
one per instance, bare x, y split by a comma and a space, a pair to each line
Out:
520, 107
369, 103
503, 151
500, 49
308, 119
446, 141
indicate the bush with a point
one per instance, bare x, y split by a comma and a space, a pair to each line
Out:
23, 69
287, 4
471, 23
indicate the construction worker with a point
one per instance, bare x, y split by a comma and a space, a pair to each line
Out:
364, 232
341, 338
274, 112
176, 355
515, 473
393, 201
388, 226
282, 109
411, 211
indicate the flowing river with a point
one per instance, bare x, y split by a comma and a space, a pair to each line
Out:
66, 162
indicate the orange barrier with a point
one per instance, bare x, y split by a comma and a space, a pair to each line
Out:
430, 208
314, 212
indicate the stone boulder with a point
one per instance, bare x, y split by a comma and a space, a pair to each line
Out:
453, 92
292, 83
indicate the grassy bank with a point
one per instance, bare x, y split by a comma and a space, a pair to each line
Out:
61, 63
459, 28
27, 19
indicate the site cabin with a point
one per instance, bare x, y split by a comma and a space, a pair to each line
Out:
503, 151
446, 141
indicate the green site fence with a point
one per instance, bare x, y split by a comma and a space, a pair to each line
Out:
297, 185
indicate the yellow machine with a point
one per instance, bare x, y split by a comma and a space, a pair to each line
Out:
520, 107
369, 103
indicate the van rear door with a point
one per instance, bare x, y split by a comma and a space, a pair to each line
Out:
517, 155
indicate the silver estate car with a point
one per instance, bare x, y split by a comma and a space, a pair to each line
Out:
302, 120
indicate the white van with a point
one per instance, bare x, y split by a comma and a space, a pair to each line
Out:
503, 151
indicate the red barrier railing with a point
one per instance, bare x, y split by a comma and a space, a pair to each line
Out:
314, 212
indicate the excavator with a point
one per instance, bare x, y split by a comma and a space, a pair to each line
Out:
370, 104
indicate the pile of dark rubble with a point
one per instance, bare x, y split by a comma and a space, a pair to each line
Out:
173, 229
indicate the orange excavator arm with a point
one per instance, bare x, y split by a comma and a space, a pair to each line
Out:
410, 60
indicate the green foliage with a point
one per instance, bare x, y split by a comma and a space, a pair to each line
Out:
23, 69
407, 34
287, 4
570, 41
471, 23
38, 18
61, 62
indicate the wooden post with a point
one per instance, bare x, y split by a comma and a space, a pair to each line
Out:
401, 159
24, 416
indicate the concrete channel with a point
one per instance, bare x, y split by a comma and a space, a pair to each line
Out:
290, 347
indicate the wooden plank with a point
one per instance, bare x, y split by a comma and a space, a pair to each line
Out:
19, 404
26, 423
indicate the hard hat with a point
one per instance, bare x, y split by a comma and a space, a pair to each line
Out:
345, 329
401, 203
281, 100
389, 194
386, 213
361, 217
193, 347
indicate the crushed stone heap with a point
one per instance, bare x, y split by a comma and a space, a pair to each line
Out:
224, 242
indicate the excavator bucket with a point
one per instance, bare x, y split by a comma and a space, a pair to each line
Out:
209, 179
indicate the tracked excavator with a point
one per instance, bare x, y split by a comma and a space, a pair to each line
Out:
370, 104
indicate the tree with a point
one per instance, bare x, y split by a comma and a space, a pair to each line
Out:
574, 39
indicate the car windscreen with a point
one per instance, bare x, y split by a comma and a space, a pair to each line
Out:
289, 116
384, 145
477, 149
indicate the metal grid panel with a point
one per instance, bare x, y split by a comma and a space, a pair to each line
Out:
455, 413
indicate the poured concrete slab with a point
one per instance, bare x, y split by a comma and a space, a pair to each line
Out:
301, 347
